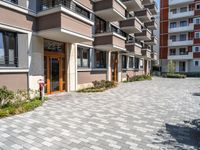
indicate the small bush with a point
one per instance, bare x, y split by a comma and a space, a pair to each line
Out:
99, 86
5, 96
175, 75
139, 78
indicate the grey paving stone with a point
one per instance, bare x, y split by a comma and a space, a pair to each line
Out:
157, 114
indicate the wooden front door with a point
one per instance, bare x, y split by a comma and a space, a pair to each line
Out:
114, 65
54, 68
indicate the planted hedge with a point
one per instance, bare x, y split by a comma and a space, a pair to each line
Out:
99, 86
175, 75
12, 103
139, 78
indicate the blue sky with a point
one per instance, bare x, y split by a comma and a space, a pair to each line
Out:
158, 2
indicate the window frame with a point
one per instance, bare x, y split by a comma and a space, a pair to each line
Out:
103, 61
124, 62
6, 41
82, 49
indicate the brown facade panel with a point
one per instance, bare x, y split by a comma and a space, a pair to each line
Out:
197, 27
191, 35
196, 41
164, 14
189, 48
163, 53
45, 22
164, 27
89, 77
17, 19
196, 54
64, 21
14, 81
163, 3
164, 40
75, 25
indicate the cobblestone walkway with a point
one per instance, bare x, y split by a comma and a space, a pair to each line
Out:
158, 114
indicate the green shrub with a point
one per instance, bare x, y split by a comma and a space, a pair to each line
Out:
5, 96
175, 75
99, 86
140, 78
31, 105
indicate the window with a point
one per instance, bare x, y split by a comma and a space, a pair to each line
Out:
174, 11
183, 9
183, 23
100, 25
196, 63
100, 59
197, 6
182, 51
124, 61
8, 49
137, 63
173, 38
172, 51
131, 62
141, 63
196, 48
197, 35
173, 25
183, 37
13, 1
197, 20
83, 55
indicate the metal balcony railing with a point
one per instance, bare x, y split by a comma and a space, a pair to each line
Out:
6, 61
68, 4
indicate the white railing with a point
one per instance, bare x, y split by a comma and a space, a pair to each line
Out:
176, 2
190, 27
181, 57
180, 43
181, 14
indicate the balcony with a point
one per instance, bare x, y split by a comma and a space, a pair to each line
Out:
143, 15
180, 43
152, 25
153, 41
179, 2
68, 24
146, 2
154, 56
131, 25
153, 8
110, 10
146, 53
133, 5
181, 15
144, 35
109, 41
187, 56
190, 27
134, 48
11, 1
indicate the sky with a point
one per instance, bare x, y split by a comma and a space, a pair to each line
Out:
158, 2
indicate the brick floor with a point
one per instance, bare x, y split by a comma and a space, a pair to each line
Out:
157, 114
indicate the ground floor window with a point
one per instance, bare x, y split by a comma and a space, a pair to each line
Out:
141, 63
131, 62
8, 49
137, 63
83, 57
100, 59
124, 61
196, 63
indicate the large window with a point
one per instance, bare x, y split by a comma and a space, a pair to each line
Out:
183, 23
173, 25
137, 63
8, 49
182, 51
183, 37
173, 51
131, 63
183, 9
197, 35
124, 61
83, 57
100, 59
100, 25
173, 38
82, 12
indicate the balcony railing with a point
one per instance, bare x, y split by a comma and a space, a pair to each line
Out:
68, 4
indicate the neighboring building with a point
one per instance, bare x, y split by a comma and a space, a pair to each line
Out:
70, 43
180, 35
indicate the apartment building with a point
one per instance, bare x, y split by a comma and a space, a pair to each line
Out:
180, 35
70, 43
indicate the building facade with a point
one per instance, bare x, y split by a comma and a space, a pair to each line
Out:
180, 36
70, 43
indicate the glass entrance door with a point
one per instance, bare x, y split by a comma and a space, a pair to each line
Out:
54, 74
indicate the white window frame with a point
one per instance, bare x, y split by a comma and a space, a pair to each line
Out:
197, 35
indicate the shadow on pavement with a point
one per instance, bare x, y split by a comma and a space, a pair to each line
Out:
182, 136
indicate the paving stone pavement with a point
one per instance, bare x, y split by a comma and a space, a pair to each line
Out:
158, 114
